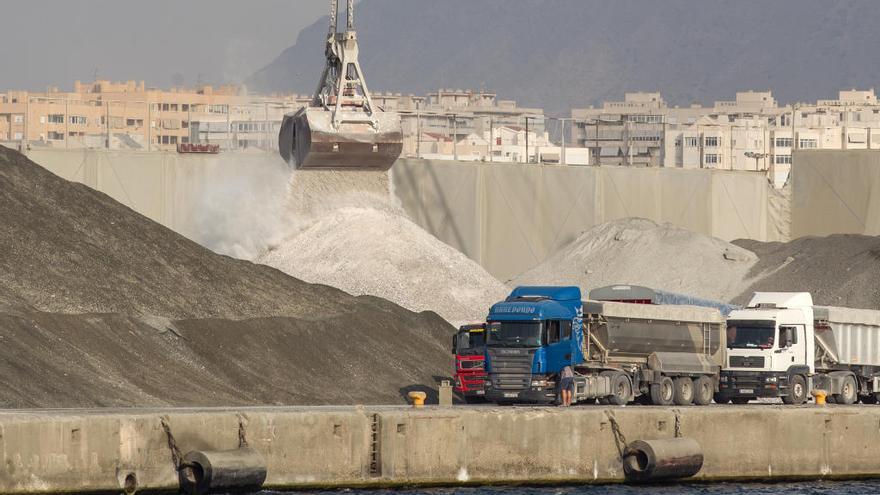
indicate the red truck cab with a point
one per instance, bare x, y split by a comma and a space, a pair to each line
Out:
469, 347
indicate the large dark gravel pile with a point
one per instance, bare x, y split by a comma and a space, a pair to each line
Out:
81, 277
839, 270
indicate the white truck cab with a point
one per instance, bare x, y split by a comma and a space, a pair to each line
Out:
770, 351
781, 345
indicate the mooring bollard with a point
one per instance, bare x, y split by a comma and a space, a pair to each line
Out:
203, 472
663, 459
445, 393
417, 398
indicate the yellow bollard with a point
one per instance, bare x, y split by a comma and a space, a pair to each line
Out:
820, 397
417, 398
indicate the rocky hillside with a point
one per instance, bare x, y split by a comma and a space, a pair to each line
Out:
563, 53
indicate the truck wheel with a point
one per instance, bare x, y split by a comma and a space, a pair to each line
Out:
721, 398
868, 399
683, 393
703, 390
741, 400
663, 392
621, 389
848, 392
797, 391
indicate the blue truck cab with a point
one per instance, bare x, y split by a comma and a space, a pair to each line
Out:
532, 335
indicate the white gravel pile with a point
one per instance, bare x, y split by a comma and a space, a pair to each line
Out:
641, 252
349, 236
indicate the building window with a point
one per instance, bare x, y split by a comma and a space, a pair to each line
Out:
809, 144
711, 141
691, 142
784, 142
783, 159
77, 119
184, 124
18, 119
56, 136
18, 136
711, 159
645, 119
218, 109
184, 107
173, 139
56, 118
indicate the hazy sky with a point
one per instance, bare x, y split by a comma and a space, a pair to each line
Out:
54, 42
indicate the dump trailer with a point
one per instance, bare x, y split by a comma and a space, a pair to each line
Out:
469, 348
619, 352
783, 346
638, 294
342, 128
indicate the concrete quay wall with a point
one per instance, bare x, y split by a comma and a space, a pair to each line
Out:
88, 451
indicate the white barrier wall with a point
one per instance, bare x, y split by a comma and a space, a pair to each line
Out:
836, 192
508, 217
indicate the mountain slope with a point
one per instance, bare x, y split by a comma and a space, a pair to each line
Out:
564, 53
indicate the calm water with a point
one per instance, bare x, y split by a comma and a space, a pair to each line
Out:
805, 488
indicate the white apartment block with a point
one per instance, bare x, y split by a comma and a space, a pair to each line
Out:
751, 132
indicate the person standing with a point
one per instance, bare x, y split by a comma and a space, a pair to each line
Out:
566, 383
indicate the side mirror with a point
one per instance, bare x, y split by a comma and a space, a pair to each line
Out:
454, 343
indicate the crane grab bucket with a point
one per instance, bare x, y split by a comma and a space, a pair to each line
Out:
341, 128
309, 141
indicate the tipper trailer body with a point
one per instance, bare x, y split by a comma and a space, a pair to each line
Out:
782, 345
618, 351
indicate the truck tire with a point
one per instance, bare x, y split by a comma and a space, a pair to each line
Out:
741, 400
849, 392
721, 398
683, 391
869, 399
621, 388
663, 392
797, 391
703, 391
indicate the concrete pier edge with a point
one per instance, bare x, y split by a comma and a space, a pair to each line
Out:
67, 451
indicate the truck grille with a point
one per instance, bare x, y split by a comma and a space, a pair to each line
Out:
511, 368
746, 361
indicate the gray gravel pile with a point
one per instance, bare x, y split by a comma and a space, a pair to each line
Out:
642, 252
99, 306
839, 270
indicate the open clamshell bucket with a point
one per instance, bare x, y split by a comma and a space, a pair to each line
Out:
309, 140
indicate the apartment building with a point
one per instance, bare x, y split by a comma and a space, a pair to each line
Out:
457, 115
129, 115
751, 132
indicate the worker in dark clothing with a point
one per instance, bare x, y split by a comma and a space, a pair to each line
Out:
566, 384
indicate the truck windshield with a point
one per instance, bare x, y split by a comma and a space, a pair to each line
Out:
471, 342
515, 334
751, 335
